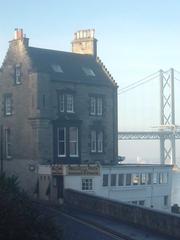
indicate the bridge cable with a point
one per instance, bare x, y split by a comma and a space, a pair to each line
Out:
138, 83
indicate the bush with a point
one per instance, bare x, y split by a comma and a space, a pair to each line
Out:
20, 218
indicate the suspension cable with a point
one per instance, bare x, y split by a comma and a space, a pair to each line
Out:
139, 83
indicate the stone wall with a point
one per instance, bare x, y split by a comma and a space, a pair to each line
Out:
154, 220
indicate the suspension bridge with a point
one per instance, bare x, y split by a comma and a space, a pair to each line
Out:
167, 132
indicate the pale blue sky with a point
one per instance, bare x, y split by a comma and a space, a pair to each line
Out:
135, 39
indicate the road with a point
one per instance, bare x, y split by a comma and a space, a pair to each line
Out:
78, 225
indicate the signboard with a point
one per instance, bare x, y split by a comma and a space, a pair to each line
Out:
57, 169
77, 170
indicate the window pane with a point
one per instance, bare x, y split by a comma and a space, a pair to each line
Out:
73, 141
88, 71
165, 177
92, 105
128, 179
93, 141
149, 178
105, 180
143, 178
113, 179
8, 105
121, 180
100, 142
99, 106
61, 103
70, 103
18, 74
135, 179
61, 141
8, 143
155, 178
57, 68
87, 184
142, 202
166, 201
160, 177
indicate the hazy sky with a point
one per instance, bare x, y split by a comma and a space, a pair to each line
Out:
135, 39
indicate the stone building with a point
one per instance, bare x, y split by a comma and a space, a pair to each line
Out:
56, 107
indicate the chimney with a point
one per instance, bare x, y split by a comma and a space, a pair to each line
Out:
18, 33
85, 43
19, 36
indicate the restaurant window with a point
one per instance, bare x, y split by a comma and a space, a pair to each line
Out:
113, 179
87, 184
135, 179
105, 180
121, 179
128, 179
143, 178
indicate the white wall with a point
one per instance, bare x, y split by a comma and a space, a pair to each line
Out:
152, 194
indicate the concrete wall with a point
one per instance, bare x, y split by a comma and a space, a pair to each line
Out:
161, 222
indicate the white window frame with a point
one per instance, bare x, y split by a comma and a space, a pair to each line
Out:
73, 141
105, 180
100, 142
93, 141
70, 103
61, 141
18, 74
61, 102
87, 184
8, 105
99, 105
93, 105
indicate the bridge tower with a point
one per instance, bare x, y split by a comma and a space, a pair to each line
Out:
167, 132
167, 117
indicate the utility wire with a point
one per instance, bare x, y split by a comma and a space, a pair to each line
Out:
138, 83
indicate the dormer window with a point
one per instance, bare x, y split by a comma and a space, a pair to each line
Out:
18, 74
88, 71
57, 68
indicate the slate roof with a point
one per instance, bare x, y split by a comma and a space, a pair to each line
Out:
71, 64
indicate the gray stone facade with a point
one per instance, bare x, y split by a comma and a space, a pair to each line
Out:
34, 112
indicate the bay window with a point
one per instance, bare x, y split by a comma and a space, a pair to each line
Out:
67, 142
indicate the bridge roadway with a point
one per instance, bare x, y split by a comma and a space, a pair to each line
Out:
147, 135
78, 225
